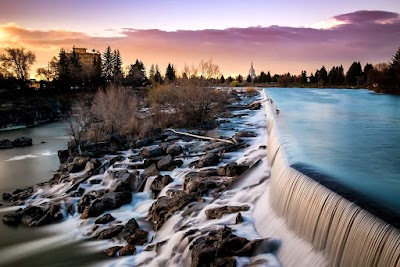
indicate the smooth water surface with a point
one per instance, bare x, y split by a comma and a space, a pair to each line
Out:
351, 136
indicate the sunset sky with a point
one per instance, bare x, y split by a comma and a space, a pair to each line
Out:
278, 36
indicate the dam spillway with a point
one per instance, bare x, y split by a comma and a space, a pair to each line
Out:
347, 234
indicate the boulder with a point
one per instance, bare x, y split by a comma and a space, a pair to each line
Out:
35, 215
106, 218
217, 213
139, 237
112, 251
110, 232
77, 164
165, 163
215, 145
150, 171
144, 142
22, 141
232, 169
115, 200
241, 134
13, 218
195, 183
132, 225
4, 144
209, 159
254, 106
125, 182
174, 150
7, 196
239, 218
152, 151
63, 155
160, 182
127, 250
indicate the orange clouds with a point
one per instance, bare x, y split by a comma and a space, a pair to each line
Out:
355, 37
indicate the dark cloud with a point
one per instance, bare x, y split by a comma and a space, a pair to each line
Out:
367, 17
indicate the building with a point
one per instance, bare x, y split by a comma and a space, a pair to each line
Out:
87, 59
252, 72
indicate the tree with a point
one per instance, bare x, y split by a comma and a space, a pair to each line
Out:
248, 79
367, 68
322, 76
136, 75
208, 69
107, 67
157, 76
239, 78
394, 70
76, 69
18, 62
303, 77
170, 73
152, 73
354, 73
222, 79
117, 67
229, 80
49, 73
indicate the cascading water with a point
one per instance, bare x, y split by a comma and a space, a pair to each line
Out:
344, 232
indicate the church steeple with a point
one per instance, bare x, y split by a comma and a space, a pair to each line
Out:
252, 72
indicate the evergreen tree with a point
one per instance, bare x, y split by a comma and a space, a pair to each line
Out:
107, 68
269, 78
63, 72
332, 76
222, 79
239, 78
313, 79
229, 80
354, 74
248, 79
263, 77
170, 73
303, 77
117, 66
152, 73
137, 75
322, 76
96, 74
75, 67
394, 70
157, 76
340, 75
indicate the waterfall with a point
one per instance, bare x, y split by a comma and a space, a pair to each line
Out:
347, 234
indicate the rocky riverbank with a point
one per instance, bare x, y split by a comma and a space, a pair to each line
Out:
176, 175
18, 142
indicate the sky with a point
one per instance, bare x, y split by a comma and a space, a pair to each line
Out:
277, 36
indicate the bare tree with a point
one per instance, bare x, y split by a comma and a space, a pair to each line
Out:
18, 62
209, 70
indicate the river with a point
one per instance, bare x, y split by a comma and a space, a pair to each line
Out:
349, 137
23, 167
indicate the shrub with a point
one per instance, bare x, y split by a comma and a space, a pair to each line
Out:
234, 84
250, 90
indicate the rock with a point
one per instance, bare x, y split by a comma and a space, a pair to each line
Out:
144, 142
127, 250
132, 225
217, 213
239, 218
150, 171
78, 164
224, 262
63, 155
174, 150
4, 144
126, 182
215, 145
7, 196
13, 218
110, 232
160, 182
164, 207
259, 246
232, 169
209, 159
152, 151
37, 215
22, 141
139, 237
112, 251
115, 200
84, 202
245, 134
165, 163
254, 106
106, 218
172, 138
196, 183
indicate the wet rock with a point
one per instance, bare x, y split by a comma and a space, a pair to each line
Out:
126, 182
215, 145
209, 159
63, 155
254, 106
112, 251
106, 218
150, 171
217, 213
22, 141
232, 169
164, 207
84, 202
224, 262
160, 182
259, 246
132, 225
152, 151
127, 250
174, 150
4, 144
92, 164
144, 142
139, 237
239, 218
195, 183
40, 215
7, 196
78, 164
110, 232
13, 218
165, 163
172, 138
115, 200
245, 134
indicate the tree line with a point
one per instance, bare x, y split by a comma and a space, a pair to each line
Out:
67, 71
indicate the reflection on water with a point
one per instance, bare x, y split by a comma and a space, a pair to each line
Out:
351, 135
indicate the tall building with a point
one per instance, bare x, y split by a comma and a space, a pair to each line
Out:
252, 72
87, 59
